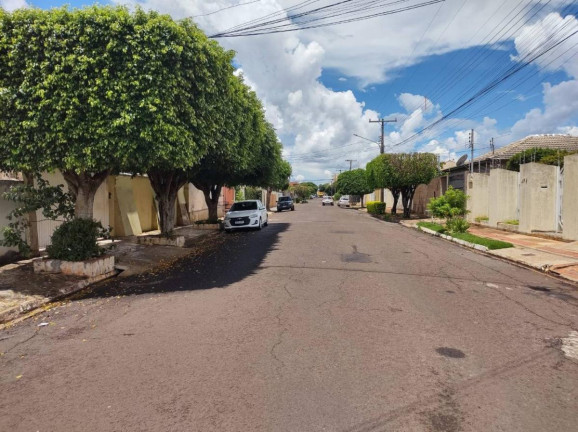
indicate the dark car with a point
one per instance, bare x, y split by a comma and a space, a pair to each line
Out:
285, 203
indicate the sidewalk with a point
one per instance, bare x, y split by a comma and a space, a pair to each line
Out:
22, 290
546, 255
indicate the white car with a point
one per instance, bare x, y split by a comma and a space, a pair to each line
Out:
327, 201
246, 214
343, 201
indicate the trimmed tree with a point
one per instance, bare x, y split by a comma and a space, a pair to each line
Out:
414, 169
353, 182
381, 173
279, 178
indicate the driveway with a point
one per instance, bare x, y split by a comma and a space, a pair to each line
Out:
327, 320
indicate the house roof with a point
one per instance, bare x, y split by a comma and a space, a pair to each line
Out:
556, 142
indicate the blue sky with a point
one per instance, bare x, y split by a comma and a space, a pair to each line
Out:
321, 86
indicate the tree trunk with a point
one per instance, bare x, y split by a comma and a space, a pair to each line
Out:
407, 199
32, 229
83, 188
395, 194
361, 201
268, 198
166, 185
212, 194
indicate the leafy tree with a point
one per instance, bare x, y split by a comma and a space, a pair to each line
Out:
546, 156
279, 179
402, 173
101, 90
311, 187
243, 153
301, 191
381, 173
353, 182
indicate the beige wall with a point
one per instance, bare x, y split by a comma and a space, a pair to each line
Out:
47, 227
503, 196
5, 208
478, 195
570, 198
538, 191
424, 193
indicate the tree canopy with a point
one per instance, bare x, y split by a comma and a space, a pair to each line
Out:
546, 156
353, 182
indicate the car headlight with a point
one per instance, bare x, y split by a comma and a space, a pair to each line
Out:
254, 215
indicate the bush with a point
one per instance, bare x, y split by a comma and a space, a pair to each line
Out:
482, 219
297, 200
457, 225
75, 240
336, 196
375, 207
449, 205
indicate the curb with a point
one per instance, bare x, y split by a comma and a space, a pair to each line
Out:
16, 311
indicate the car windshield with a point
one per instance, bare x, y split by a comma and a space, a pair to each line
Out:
244, 205
284, 198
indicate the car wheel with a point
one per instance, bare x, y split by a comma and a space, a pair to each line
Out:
323, 204
260, 224
293, 208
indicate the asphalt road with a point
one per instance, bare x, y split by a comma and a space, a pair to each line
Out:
327, 320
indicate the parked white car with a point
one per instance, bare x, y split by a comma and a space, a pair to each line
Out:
327, 201
246, 214
343, 201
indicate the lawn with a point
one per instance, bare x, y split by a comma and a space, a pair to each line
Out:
489, 243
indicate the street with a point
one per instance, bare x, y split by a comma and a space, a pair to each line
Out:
326, 320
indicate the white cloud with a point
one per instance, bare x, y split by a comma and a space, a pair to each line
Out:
342, 79
10, 5
299, 177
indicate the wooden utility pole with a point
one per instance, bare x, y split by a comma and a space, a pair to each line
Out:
471, 146
350, 162
381, 144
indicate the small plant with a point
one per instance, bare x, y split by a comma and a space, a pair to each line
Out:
337, 196
297, 200
375, 207
457, 225
479, 219
76, 240
512, 222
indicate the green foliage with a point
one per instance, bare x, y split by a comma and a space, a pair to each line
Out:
52, 200
376, 207
353, 182
76, 240
402, 173
512, 222
239, 194
546, 156
253, 193
451, 204
301, 191
297, 200
336, 196
482, 219
457, 225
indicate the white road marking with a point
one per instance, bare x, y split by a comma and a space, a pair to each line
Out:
491, 285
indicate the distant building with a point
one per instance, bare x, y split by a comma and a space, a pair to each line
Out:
456, 175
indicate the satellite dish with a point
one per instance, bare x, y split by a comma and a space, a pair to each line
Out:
461, 160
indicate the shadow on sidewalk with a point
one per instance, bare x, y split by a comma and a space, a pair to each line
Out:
217, 262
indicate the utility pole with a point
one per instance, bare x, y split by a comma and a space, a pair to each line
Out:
381, 143
350, 162
471, 146
493, 149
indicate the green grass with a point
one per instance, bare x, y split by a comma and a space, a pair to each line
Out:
433, 226
512, 222
489, 243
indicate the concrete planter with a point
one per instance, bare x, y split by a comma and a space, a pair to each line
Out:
508, 227
178, 241
89, 268
207, 226
455, 240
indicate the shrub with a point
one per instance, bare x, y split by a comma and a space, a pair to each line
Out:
449, 205
75, 240
375, 207
297, 200
336, 196
482, 219
457, 225
512, 222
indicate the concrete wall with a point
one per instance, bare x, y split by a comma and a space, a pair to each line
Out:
478, 195
424, 193
47, 227
538, 191
197, 207
570, 198
503, 196
5, 208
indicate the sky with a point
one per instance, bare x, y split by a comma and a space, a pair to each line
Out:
504, 68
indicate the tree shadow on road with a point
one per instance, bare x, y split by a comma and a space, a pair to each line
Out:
216, 262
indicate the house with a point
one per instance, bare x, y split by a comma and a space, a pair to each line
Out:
456, 175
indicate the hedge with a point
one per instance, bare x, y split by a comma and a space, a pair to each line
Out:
375, 207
